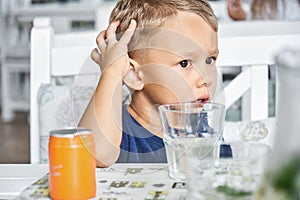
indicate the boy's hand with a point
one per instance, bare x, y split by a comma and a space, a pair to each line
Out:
113, 53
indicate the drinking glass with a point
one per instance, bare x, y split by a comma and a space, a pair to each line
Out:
231, 178
190, 126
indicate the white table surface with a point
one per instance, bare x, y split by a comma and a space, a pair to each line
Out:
139, 181
14, 178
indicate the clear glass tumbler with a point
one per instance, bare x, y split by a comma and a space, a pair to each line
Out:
190, 127
228, 178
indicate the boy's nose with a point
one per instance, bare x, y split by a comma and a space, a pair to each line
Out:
201, 81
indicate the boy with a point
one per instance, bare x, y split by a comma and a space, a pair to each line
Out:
165, 52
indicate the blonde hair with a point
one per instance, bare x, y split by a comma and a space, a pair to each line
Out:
154, 13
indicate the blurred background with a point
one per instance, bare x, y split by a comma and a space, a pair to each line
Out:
16, 21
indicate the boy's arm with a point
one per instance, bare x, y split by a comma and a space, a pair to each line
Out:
104, 112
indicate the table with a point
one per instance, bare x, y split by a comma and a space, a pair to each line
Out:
14, 178
120, 181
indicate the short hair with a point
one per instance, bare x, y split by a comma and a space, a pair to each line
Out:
154, 13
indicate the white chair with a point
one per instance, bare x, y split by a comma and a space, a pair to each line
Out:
55, 55
15, 91
14, 62
256, 52
260, 27
251, 44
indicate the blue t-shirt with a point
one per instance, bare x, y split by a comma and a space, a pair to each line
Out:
138, 145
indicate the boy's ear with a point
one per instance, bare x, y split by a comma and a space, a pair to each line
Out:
132, 79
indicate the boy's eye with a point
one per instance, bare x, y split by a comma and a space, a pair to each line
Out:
210, 60
184, 63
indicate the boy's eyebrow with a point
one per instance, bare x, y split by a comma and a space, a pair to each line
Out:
188, 53
213, 52
195, 52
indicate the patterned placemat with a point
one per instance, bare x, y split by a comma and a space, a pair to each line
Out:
122, 182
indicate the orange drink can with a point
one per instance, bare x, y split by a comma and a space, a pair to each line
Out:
72, 164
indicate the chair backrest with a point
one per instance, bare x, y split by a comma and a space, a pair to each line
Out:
260, 27
64, 54
256, 53
253, 44
53, 56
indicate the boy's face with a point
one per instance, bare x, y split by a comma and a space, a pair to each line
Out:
180, 62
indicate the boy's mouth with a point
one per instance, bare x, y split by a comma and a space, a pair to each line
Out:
201, 100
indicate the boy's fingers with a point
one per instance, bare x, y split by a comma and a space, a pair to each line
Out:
95, 55
111, 31
126, 37
100, 40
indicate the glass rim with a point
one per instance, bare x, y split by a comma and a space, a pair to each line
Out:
182, 104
